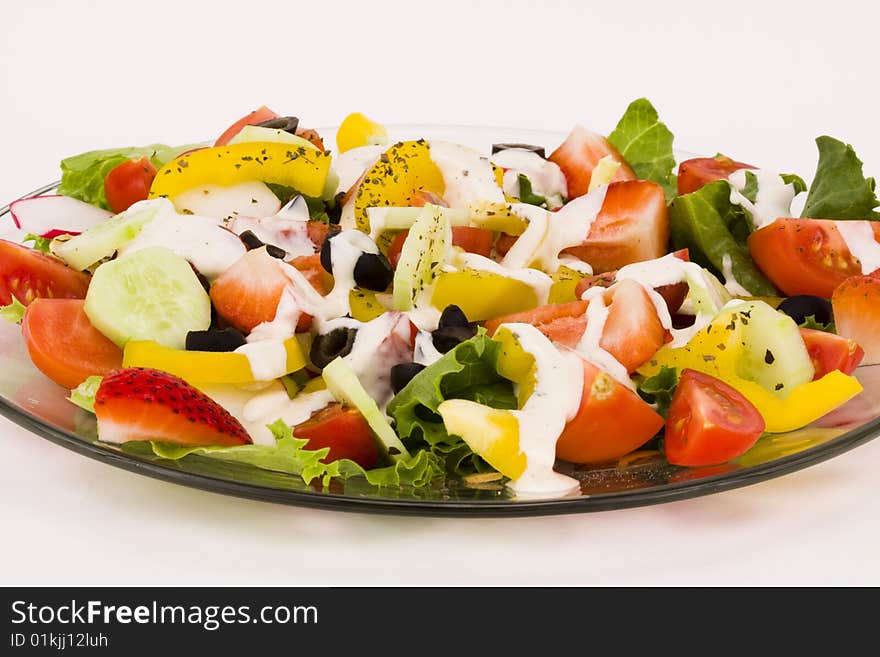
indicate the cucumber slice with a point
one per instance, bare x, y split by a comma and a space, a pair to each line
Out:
84, 250
343, 384
422, 256
151, 294
775, 356
251, 133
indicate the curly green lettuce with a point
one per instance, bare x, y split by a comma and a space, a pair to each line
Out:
840, 189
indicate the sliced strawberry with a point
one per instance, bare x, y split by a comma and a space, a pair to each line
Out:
856, 305
578, 155
139, 403
632, 331
693, 174
248, 292
673, 294
632, 226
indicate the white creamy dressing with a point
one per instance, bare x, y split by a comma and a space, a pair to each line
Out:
554, 401
292, 235
772, 201
266, 407
546, 177
468, 177
588, 346
549, 233
859, 239
730, 283
425, 353
247, 199
201, 240
670, 270
537, 280
379, 345
353, 163
267, 358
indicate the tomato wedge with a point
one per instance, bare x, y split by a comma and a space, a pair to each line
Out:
709, 422
699, 171
345, 431
128, 183
831, 352
64, 345
632, 226
30, 274
805, 256
259, 115
611, 422
468, 238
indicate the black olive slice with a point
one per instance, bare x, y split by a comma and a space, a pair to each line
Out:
326, 347
801, 306
372, 271
228, 339
286, 123
402, 374
497, 148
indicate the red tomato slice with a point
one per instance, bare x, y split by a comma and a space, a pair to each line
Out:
612, 421
578, 155
345, 431
64, 345
709, 422
632, 333
129, 183
311, 136
632, 226
831, 352
699, 171
471, 239
805, 256
257, 116
856, 306
29, 274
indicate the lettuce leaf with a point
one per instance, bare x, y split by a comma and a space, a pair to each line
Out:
646, 145
711, 227
658, 389
41, 244
84, 394
82, 176
290, 455
13, 312
466, 372
840, 189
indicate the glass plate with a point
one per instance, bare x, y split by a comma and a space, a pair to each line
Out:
32, 401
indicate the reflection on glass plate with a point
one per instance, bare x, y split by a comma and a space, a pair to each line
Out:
31, 400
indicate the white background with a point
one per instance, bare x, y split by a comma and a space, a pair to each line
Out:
754, 80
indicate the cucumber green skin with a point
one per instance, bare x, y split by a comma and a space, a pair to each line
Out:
151, 294
83, 251
343, 384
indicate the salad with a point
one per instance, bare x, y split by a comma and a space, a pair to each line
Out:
411, 311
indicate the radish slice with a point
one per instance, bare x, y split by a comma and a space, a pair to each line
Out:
54, 215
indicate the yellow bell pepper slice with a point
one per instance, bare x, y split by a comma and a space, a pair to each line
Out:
203, 366
806, 402
565, 280
283, 164
400, 172
357, 130
364, 305
516, 364
482, 295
